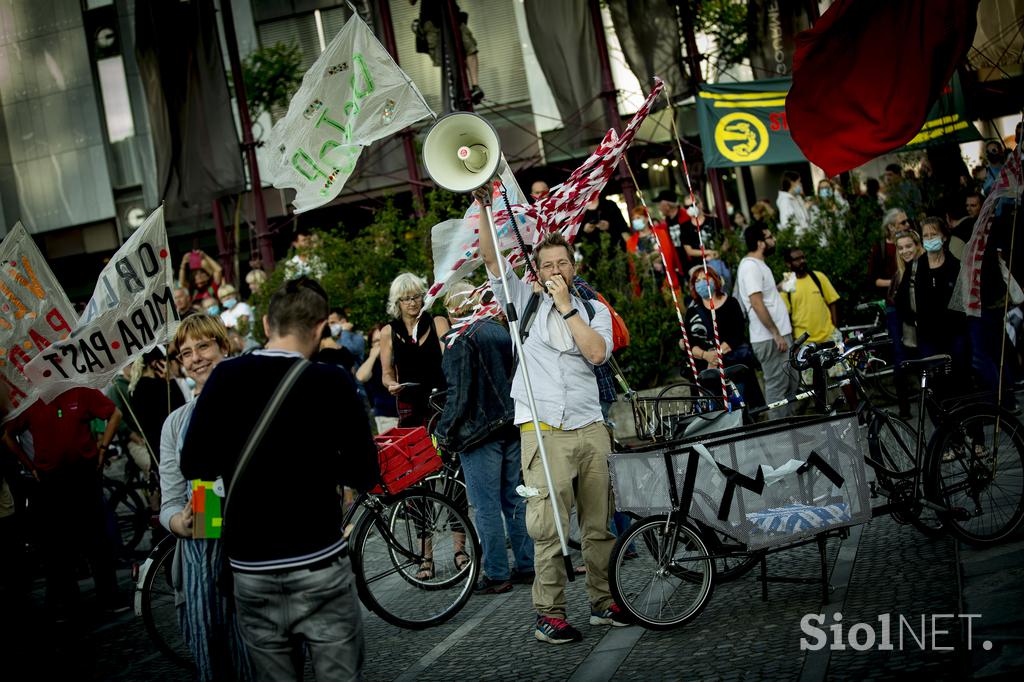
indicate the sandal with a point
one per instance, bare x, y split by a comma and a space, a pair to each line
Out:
426, 571
462, 560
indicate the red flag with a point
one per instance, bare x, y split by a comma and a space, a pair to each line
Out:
866, 75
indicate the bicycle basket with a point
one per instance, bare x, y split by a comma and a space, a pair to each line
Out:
406, 457
666, 418
766, 485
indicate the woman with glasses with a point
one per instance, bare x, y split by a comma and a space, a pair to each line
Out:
410, 350
205, 616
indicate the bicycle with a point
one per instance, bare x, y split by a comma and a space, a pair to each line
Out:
927, 480
874, 369
971, 475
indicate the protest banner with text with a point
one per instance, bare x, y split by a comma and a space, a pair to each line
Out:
130, 312
35, 313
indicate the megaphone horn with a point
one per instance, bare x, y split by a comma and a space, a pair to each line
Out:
462, 152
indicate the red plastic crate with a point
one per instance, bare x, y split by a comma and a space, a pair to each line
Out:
407, 456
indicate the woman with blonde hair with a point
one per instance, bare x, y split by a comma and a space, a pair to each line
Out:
410, 349
908, 250
205, 614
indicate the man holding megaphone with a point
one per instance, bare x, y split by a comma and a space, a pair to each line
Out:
568, 339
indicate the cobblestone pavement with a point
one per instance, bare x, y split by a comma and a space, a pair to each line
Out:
883, 568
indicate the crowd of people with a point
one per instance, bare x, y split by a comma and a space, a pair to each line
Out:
188, 411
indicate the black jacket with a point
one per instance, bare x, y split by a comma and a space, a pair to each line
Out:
479, 406
285, 510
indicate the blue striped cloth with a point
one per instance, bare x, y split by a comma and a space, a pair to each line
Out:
797, 518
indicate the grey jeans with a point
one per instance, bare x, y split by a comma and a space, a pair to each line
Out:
780, 380
278, 612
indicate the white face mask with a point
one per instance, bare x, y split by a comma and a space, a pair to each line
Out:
335, 329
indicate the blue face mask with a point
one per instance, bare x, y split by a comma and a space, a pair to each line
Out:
798, 190
702, 288
213, 310
825, 192
639, 224
229, 303
190, 382
932, 245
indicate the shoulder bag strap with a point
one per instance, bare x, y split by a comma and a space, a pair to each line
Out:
261, 428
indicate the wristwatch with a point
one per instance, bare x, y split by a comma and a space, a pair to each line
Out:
570, 314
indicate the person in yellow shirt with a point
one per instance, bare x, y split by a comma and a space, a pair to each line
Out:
810, 298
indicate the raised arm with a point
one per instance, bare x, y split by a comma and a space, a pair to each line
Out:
216, 271
365, 370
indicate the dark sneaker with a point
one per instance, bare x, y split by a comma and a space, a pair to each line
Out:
522, 577
556, 631
612, 615
490, 586
476, 94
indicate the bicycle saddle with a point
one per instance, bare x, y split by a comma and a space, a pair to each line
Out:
926, 364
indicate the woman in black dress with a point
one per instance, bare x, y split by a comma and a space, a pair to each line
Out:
410, 350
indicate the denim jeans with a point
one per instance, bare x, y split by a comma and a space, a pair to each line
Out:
492, 473
278, 612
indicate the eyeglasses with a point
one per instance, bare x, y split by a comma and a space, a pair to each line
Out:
201, 348
555, 266
905, 221
411, 299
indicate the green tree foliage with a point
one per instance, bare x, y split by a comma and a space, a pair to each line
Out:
726, 22
272, 74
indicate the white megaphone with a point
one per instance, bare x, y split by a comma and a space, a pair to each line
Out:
461, 152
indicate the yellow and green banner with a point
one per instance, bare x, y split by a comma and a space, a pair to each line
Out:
744, 124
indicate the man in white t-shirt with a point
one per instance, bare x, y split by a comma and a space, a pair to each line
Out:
771, 333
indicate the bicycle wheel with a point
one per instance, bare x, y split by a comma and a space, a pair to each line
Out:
892, 443
391, 545
975, 468
154, 601
130, 516
670, 578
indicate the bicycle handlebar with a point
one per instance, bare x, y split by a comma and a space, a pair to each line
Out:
798, 353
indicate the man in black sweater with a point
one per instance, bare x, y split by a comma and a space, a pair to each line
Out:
293, 580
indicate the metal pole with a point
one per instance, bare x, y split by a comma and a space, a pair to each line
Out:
608, 94
415, 182
513, 327
248, 144
696, 78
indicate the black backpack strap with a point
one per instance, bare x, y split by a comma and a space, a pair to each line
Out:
529, 312
817, 283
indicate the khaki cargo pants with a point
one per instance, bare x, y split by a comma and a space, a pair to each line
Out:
581, 455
